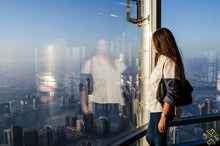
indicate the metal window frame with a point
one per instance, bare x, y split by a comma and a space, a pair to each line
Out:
140, 132
151, 20
155, 23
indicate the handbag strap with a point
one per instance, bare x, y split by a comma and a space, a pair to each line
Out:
163, 68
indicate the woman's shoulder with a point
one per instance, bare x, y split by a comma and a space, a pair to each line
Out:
166, 60
171, 70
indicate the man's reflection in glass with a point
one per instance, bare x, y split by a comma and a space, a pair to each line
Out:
101, 81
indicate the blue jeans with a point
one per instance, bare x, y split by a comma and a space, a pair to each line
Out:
153, 136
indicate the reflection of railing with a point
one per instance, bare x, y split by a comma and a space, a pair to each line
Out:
131, 138
140, 133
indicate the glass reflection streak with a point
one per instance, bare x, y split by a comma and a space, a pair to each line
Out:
51, 73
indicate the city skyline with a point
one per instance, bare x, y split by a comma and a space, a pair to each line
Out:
42, 42
15, 61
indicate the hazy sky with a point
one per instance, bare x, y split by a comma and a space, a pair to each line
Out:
33, 22
29, 24
195, 23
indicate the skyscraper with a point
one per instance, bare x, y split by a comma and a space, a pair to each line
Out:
12, 106
207, 111
35, 103
16, 136
48, 136
61, 137
174, 135
31, 138
201, 112
209, 59
208, 106
7, 136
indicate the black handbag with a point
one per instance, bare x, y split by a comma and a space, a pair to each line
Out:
90, 80
87, 81
184, 99
161, 91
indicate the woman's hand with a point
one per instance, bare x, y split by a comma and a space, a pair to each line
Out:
84, 108
162, 125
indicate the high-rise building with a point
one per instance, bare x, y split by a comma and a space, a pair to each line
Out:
174, 135
61, 136
205, 109
201, 109
62, 100
218, 84
201, 112
31, 138
12, 106
209, 65
7, 136
67, 121
72, 121
35, 103
16, 136
88, 123
208, 106
48, 136
26, 99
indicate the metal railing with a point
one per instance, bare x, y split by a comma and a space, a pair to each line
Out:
140, 132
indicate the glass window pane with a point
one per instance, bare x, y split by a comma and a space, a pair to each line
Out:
196, 28
201, 133
62, 58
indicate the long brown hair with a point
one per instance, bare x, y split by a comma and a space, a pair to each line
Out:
165, 44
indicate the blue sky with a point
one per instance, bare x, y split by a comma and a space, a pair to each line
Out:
29, 24
33, 22
195, 23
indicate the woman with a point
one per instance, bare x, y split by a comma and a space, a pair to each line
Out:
106, 96
167, 63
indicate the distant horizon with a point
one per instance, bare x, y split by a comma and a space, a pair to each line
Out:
31, 24
67, 25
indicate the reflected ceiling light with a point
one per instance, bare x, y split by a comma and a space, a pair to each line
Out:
50, 48
49, 81
49, 78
